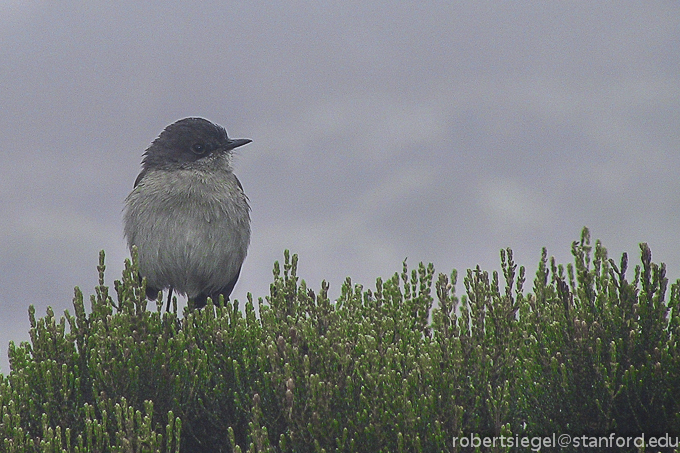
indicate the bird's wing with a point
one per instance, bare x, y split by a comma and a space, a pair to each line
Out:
237, 182
140, 176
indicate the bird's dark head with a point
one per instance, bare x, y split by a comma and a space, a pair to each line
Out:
189, 140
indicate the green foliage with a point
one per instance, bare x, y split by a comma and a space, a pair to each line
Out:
587, 352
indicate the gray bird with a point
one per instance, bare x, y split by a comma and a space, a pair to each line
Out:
188, 214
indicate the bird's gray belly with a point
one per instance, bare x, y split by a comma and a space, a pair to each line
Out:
194, 244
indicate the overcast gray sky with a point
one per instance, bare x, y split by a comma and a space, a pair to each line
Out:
437, 131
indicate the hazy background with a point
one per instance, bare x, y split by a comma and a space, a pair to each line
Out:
437, 131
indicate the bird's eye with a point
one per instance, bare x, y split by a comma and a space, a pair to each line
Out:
198, 148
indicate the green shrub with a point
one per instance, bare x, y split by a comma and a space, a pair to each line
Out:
587, 352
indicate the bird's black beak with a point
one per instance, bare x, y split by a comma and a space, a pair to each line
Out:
236, 142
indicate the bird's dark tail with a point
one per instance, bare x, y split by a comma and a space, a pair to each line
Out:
167, 307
